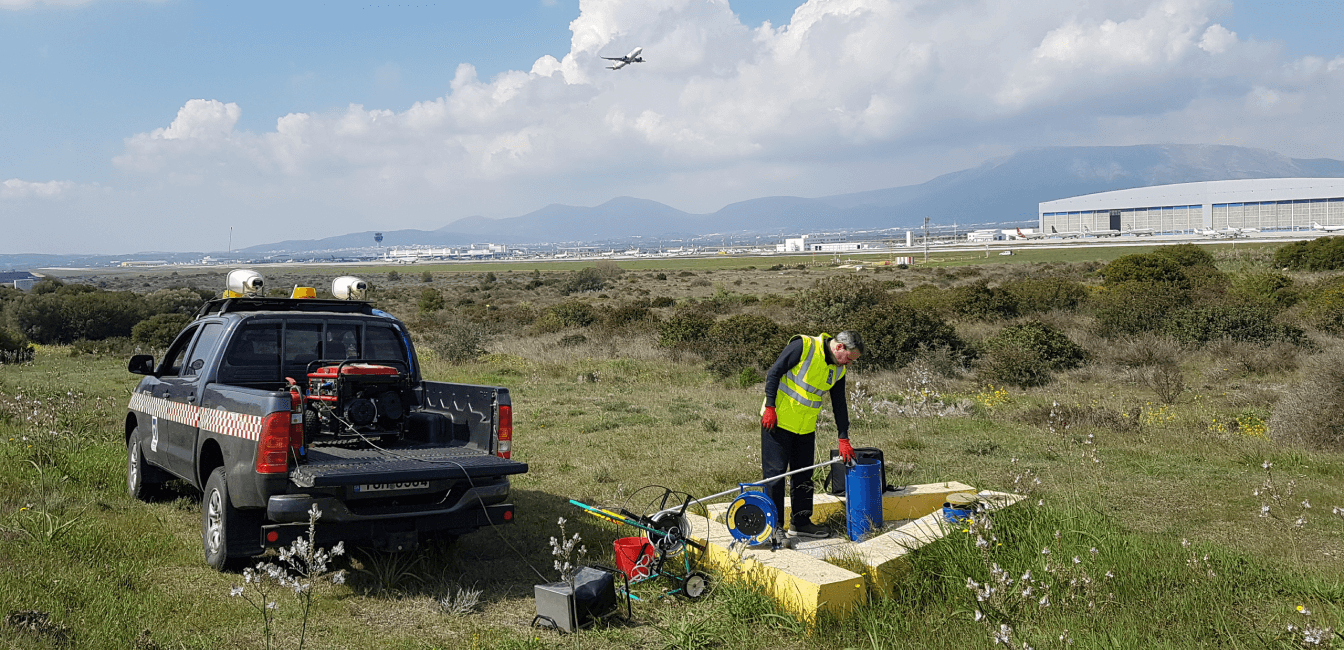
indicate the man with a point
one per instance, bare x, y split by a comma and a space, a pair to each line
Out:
808, 367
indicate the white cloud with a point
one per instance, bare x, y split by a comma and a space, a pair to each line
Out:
850, 95
19, 189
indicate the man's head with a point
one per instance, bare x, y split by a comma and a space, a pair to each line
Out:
848, 346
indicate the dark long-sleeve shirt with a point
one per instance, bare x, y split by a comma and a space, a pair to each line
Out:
790, 357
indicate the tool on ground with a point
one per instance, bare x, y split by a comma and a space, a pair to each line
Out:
646, 558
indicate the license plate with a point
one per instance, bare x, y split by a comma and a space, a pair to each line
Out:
391, 487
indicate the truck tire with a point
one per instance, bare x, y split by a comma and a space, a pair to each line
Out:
143, 480
229, 535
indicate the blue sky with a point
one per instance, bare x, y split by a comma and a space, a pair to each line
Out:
119, 112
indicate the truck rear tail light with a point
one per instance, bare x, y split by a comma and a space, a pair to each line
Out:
273, 445
504, 445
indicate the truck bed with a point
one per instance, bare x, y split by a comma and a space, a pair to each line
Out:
330, 466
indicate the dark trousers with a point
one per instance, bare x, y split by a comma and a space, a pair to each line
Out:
782, 451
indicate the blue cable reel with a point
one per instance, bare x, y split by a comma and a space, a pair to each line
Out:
751, 516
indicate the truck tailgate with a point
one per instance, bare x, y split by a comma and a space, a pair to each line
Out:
335, 466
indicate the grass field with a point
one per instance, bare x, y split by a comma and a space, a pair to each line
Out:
1168, 494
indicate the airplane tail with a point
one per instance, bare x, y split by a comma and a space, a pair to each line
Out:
1315, 226
1053, 231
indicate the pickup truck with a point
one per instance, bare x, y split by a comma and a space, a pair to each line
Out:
270, 406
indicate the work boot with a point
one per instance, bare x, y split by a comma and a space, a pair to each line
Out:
803, 527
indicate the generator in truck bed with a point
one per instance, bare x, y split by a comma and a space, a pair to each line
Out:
271, 406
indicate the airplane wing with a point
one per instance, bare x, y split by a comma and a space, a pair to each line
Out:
614, 58
618, 66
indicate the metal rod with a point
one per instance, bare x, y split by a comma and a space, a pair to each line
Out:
772, 479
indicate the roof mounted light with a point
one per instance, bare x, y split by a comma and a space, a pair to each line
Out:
243, 282
348, 287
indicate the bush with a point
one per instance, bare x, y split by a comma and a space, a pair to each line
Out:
685, 327
1325, 312
1029, 354
1130, 308
894, 333
456, 339
1046, 294
833, 298
663, 301
627, 315
174, 301
1146, 268
565, 315
393, 276
585, 279
1320, 254
426, 277
1273, 288
14, 348
1245, 322
1311, 414
63, 318
744, 341
159, 330
1187, 255
978, 301
431, 300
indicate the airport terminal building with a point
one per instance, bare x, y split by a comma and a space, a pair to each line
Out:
1261, 203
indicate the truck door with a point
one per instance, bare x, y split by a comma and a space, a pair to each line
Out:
186, 398
168, 393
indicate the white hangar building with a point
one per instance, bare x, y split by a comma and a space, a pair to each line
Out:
1263, 203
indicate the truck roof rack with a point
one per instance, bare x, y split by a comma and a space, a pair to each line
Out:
230, 305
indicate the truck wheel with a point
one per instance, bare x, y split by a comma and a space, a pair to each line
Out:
230, 535
142, 479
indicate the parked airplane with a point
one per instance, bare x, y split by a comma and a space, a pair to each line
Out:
1317, 226
1229, 232
1065, 235
632, 57
1029, 235
1101, 233
1139, 231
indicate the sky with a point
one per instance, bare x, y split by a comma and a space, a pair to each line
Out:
158, 125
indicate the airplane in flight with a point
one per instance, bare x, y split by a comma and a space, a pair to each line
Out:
1029, 235
1317, 226
622, 61
1066, 235
1100, 233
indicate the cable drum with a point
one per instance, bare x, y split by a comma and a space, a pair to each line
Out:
752, 518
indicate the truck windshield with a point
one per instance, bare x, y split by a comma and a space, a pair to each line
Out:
258, 348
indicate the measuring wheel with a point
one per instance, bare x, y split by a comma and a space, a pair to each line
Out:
694, 585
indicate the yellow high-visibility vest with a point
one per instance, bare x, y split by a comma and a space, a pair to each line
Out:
798, 402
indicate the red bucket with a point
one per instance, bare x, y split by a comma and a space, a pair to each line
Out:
634, 557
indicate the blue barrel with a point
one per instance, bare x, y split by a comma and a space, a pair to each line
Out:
863, 497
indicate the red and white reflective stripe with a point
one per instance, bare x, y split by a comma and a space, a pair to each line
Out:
237, 425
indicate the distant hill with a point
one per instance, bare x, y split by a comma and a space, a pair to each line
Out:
1004, 189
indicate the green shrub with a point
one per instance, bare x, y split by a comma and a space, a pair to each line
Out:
1311, 414
572, 340
178, 300
159, 330
1320, 254
1029, 354
980, 302
14, 348
1246, 322
1046, 294
457, 339
833, 298
742, 341
663, 301
685, 327
1187, 255
1273, 288
589, 278
894, 333
393, 276
629, 314
1325, 311
748, 377
1135, 307
1145, 268
431, 300
426, 277
565, 315
45, 286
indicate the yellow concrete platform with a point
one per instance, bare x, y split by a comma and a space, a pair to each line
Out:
807, 585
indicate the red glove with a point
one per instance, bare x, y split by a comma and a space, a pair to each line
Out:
769, 419
846, 450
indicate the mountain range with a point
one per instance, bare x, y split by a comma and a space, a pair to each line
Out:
1000, 190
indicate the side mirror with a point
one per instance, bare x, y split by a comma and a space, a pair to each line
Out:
141, 364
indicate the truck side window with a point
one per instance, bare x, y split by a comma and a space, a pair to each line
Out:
383, 343
177, 352
342, 341
254, 354
205, 346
